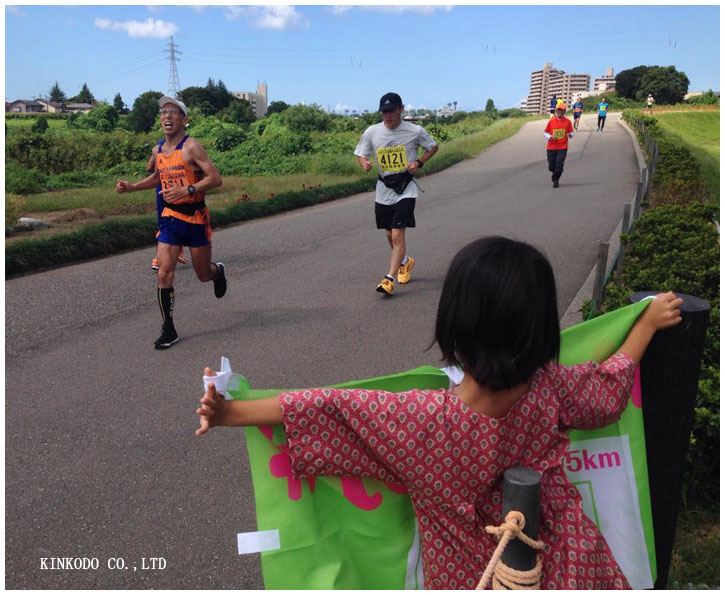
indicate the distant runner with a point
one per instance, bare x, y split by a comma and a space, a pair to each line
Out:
603, 108
185, 174
395, 144
552, 105
578, 107
558, 131
650, 103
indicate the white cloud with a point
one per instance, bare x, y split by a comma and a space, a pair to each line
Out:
416, 9
148, 28
154, 8
15, 10
280, 18
341, 107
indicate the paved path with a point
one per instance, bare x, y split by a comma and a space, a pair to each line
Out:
101, 457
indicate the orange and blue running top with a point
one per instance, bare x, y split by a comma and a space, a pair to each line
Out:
173, 171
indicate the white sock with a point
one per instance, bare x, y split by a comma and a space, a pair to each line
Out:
391, 278
405, 260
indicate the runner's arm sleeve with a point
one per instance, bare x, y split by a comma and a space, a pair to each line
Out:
354, 433
594, 395
364, 146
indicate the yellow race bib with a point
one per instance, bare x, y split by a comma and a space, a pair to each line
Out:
558, 133
392, 158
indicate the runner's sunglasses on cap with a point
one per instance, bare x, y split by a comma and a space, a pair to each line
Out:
390, 102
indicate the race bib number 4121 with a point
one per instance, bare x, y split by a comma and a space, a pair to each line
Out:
392, 158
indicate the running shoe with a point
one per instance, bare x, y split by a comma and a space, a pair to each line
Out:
404, 270
386, 286
168, 337
220, 281
556, 184
154, 264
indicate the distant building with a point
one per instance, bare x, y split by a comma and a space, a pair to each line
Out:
551, 81
26, 106
51, 106
258, 100
606, 82
82, 108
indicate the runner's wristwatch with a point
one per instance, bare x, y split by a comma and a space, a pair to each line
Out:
191, 190
419, 162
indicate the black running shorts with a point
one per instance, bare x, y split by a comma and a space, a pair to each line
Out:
397, 216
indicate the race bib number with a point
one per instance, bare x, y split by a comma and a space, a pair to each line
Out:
392, 158
558, 133
577, 109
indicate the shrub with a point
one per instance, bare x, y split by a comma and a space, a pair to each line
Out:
306, 118
40, 125
23, 180
76, 179
14, 208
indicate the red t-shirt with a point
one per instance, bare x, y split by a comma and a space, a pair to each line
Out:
559, 131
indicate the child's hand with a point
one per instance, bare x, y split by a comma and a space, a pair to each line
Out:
212, 406
663, 311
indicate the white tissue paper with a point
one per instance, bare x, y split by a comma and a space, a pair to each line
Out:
225, 380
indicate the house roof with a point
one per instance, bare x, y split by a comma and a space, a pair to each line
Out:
78, 105
46, 102
26, 102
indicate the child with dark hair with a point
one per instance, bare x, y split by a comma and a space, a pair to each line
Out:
497, 318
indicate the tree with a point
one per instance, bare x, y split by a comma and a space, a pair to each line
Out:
118, 103
85, 96
102, 118
627, 81
56, 95
277, 107
240, 111
40, 125
490, 108
145, 111
306, 118
666, 84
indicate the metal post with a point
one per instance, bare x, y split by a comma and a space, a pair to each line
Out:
598, 293
625, 229
521, 488
638, 200
669, 371
625, 218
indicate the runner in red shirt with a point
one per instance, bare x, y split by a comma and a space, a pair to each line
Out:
558, 131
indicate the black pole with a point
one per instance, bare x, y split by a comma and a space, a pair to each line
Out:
521, 488
670, 370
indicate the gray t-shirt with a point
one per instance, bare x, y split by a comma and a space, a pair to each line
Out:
394, 150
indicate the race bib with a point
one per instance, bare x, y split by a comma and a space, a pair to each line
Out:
558, 133
577, 109
392, 158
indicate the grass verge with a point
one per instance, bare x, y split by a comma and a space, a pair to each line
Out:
270, 195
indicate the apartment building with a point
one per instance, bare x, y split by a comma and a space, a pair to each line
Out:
258, 100
551, 81
606, 82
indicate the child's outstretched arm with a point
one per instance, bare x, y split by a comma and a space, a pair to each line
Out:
662, 312
216, 411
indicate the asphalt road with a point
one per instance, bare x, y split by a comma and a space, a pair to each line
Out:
101, 458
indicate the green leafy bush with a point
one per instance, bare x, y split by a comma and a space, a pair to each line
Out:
75, 179
14, 208
40, 125
23, 180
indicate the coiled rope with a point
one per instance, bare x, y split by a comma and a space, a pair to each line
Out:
503, 576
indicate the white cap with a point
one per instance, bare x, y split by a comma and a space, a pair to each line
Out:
177, 102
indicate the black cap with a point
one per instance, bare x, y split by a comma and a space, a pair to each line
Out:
390, 101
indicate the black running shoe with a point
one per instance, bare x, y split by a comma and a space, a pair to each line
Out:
220, 281
556, 183
167, 339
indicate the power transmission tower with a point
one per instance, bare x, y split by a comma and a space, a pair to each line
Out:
174, 87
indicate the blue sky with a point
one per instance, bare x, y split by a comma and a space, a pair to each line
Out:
347, 56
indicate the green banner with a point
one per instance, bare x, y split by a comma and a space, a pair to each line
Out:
350, 533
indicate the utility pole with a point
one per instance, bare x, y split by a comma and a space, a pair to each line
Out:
174, 88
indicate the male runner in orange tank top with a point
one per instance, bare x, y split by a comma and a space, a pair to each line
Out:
185, 173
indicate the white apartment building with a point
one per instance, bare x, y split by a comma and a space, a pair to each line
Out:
606, 82
551, 81
258, 100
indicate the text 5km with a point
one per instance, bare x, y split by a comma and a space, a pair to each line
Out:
581, 460
93, 564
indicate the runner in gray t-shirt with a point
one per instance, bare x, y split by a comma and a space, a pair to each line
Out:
395, 145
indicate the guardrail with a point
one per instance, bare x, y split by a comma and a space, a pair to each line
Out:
632, 212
